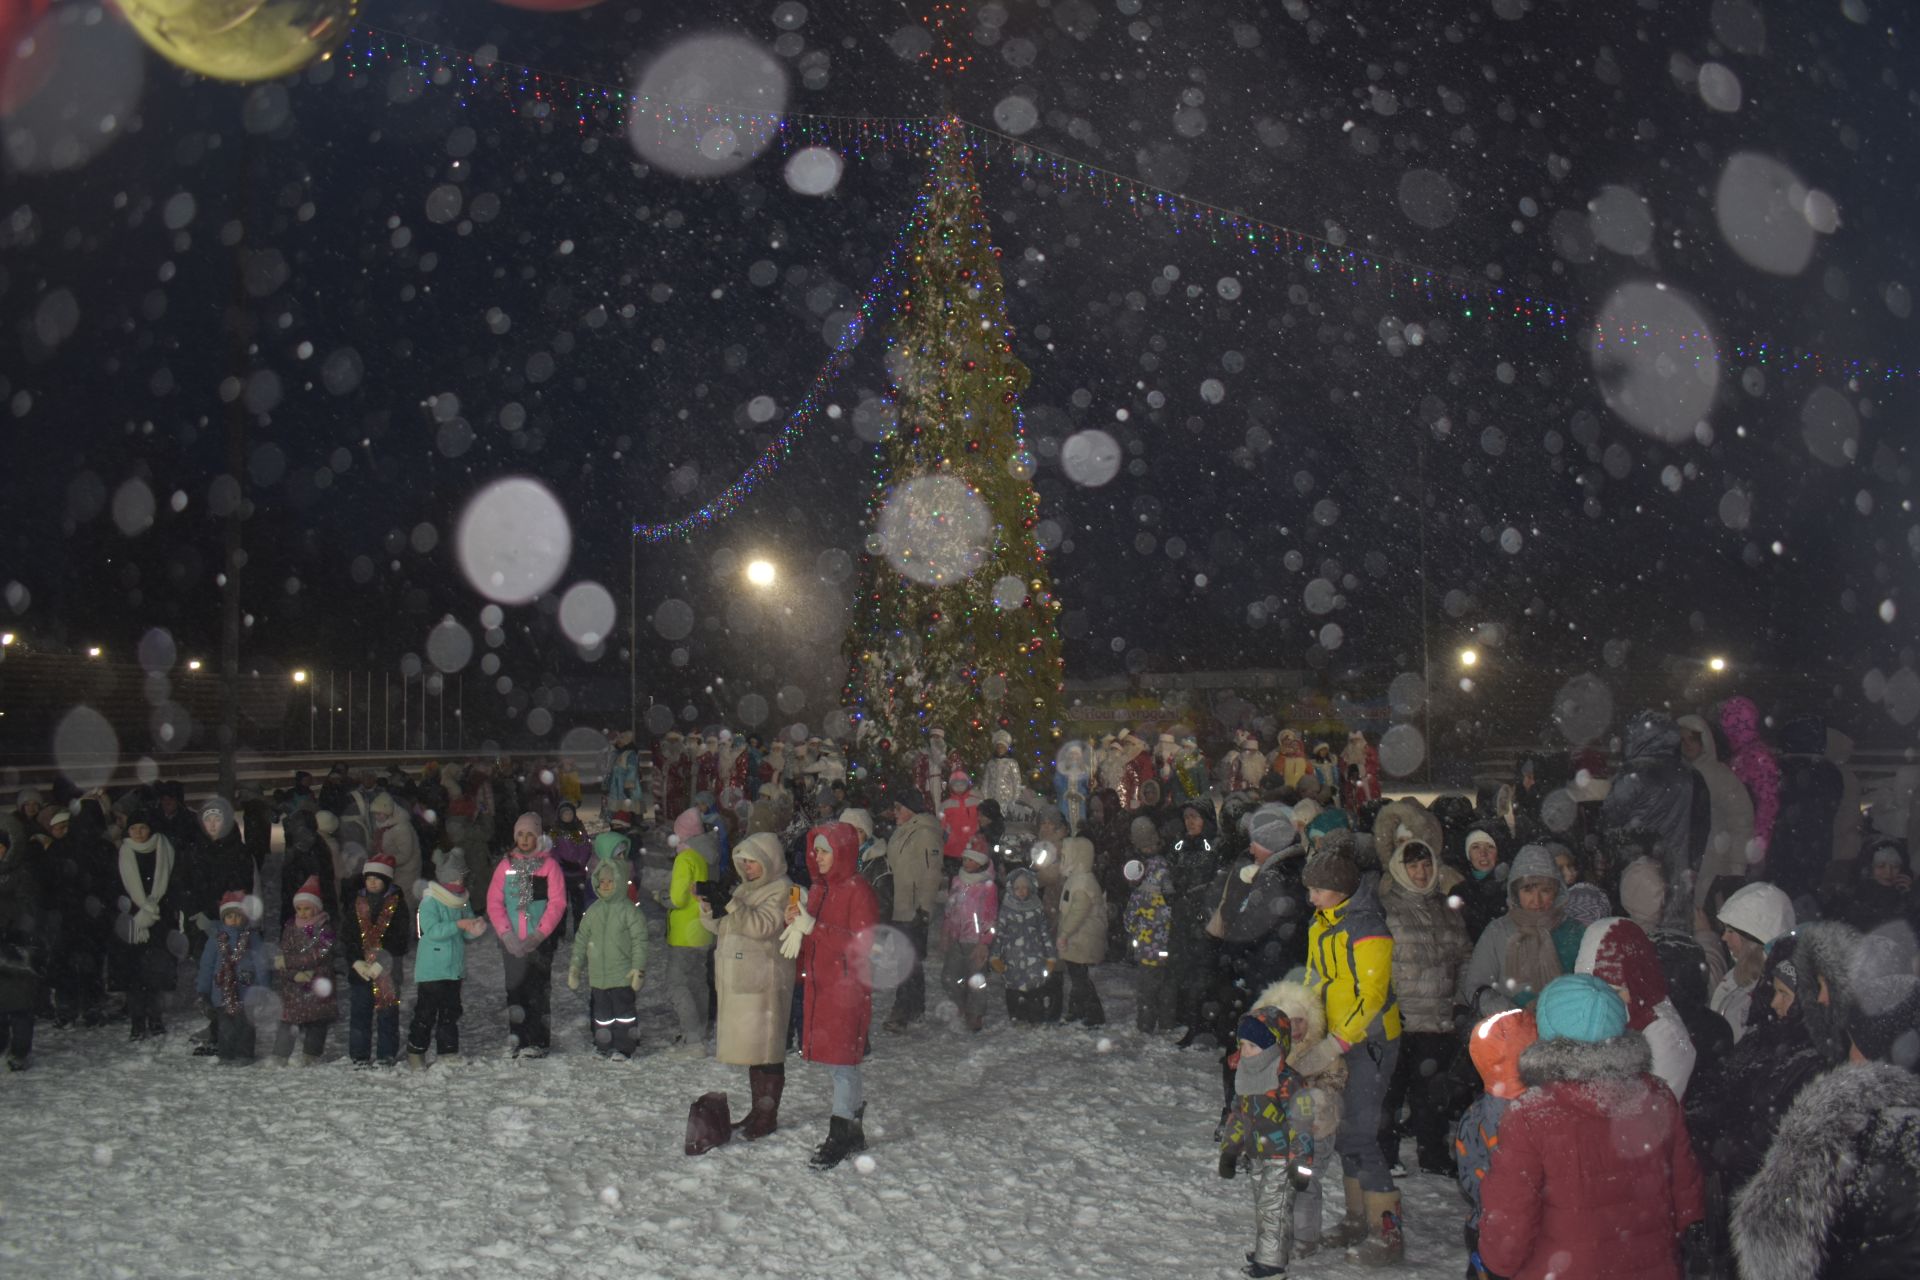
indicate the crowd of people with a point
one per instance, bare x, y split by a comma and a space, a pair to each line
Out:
1657, 1020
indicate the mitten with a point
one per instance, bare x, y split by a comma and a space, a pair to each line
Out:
305, 975
203, 922
279, 962
636, 979
374, 969
1229, 1163
573, 979
366, 969
1299, 1176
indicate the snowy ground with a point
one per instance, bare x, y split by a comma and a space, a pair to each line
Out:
1047, 1152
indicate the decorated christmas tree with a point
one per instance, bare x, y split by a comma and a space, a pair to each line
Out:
955, 626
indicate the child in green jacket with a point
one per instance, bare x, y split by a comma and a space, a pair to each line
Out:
610, 945
445, 924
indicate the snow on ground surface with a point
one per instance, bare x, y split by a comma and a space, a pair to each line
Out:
1019, 1152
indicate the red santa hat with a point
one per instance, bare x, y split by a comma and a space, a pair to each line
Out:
310, 894
381, 864
235, 900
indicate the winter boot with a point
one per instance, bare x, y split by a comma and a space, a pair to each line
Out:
416, 1061
763, 1118
857, 1131
1354, 1228
309, 1059
834, 1149
1384, 1247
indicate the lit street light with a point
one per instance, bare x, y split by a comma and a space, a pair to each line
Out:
93, 651
1469, 657
6, 638
761, 573
299, 677
193, 664
1716, 664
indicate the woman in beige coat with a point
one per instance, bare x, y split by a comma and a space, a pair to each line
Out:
1083, 930
753, 980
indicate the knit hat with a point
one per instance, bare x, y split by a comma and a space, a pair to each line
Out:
58, 818
1305, 812
528, 822
1884, 1019
686, 826
1643, 891
1329, 820
1619, 953
326, 822
910, 799
1257, 1032
26, 797
1271, 828
860, 820
1889, 855
1334, 870
451, 867
1579, 1006
1477, 836
235, 900
309, 894
1495, 1047
1144, 835
1001, 738
382, 805
1759, 910
380, 864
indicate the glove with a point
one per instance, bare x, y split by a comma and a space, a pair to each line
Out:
279, 962
999, 964
803, 922
203, 922
636, 979
1229, 1164
573, 979
1299, 1177
305, 975
366, 969
374, 969
791, 938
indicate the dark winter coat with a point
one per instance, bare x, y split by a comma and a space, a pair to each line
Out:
1654, 793
1595, 1175
1810, 792
221, 867
1482, 899
1022, 936
396, 941
80, 889
1267, 914
1194, 862
878, 873
307, 855
1839, 1195
1736, 1100
1149, 922
22, 950
308, 949
835, 958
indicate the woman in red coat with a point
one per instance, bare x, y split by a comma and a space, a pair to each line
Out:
833, 937
1594, 1177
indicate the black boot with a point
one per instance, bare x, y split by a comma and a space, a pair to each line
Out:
834, 1149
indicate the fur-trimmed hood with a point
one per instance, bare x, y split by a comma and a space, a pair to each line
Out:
1625, 1057
1825, 949
1835, 1130
1298, 1002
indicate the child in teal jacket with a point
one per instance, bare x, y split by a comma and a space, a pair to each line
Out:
446, 924
610, 946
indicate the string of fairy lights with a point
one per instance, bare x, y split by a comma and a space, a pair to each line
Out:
544, 96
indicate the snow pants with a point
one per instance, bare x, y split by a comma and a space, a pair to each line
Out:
436, 1017
615, 1024
530, 995
1272, 1213
687, 990
1306, 1213
311, 1035
1370, 1067
1421, 1082
365, 1024
956, 975
1154, 998
16, 1034
910, 997
1083, 1002
1041, 1004
233, 1035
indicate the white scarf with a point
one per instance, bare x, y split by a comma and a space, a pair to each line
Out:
146, 908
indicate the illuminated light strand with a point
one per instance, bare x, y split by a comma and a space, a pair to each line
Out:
803, 415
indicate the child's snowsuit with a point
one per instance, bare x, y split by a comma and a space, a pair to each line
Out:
1023, 953
1271, 1129
1149, 937
611, 946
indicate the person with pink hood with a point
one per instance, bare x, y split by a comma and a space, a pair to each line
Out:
1753, 764
526, 903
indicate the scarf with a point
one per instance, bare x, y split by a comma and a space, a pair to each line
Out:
372, 929
1259, 1073
146, 906
974, 877
1531, 960
226, 971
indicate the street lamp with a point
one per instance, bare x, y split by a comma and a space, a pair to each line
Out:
761, 573
1716, 664
6, 638
299, 677
1469, 657
193, 664
93, 651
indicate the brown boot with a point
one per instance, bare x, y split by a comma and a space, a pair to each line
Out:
1355, 1228
767, 1083
1383, 1246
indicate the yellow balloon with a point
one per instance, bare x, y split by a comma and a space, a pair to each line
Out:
242, 40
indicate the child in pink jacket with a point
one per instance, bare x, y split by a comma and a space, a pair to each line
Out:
973, 904
526, 903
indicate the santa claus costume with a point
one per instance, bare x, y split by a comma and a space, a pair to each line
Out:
1136, 770
1360, 763
1290, 758
677, 766
732, 762
706, 765
1247, 764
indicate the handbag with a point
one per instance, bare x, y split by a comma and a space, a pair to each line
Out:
707, 1124
1217, 922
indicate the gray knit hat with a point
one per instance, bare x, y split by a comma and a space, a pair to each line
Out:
1271, 827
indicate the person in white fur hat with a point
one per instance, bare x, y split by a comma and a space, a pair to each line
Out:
1001, 782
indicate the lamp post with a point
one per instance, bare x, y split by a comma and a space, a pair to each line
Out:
300, 677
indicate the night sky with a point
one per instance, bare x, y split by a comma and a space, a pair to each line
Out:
606, 328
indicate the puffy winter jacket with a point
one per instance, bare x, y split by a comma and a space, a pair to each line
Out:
835, 957
691, 866
1022, 935
611, 942
1752, 762
443, 944
753, 981
1839, 1195
1654, 793
1429, 944
308, 949
1595, 1175
1351, 952
913, 851
1730, 830
252, 970
1150, 916
546, 896
1083, 905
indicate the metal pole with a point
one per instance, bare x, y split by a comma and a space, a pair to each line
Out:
443, 713
406, 743
386, 710
330, 701
369, 689
1426, 656
633, 634
460, 709
312, 728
